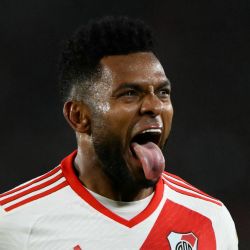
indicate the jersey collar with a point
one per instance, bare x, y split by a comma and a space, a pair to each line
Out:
77, 186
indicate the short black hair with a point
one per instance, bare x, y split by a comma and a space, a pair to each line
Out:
80, 59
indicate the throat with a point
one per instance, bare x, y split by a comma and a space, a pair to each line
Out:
134, 195
113, 182
105, 187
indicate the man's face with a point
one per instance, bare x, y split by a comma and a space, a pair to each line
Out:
131, 98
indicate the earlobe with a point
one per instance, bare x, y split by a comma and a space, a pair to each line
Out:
77, 115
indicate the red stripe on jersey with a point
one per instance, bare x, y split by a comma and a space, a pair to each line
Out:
192, 194
37, 196
179, 180
30, 190
186, 185
77, 247
180, 220
42, 177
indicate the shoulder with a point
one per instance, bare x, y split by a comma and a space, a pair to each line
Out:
33, 190
21, 206
181, 192
184, 188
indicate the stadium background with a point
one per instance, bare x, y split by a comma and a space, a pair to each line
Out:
204, 47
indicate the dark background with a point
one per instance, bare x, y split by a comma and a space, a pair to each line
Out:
204, 47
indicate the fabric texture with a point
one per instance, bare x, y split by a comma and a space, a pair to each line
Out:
55, 211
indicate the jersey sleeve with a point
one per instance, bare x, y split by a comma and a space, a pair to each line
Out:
226, 229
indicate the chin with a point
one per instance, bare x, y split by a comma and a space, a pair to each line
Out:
149, 183
145, 183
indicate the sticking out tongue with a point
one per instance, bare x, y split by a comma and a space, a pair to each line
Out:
151, 158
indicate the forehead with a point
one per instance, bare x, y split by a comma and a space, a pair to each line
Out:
141, 67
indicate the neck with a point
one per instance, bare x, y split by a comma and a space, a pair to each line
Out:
92, 176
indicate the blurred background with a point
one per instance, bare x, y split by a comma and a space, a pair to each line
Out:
204, 47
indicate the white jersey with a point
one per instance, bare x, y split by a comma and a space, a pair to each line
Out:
55, 211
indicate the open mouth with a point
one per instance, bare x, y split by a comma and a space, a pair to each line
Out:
148, 135
145, 150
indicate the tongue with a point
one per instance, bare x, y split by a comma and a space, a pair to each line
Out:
151, 158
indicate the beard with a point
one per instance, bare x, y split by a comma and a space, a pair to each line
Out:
109, 151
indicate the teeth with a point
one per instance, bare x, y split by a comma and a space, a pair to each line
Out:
152, 130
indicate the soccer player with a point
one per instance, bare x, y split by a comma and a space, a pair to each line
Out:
113, 192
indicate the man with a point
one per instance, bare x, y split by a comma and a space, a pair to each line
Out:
112, 192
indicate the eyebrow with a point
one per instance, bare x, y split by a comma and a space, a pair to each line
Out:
137, 86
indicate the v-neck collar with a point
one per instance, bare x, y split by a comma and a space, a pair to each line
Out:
77, 186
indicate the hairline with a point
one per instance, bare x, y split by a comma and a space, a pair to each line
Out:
93, 78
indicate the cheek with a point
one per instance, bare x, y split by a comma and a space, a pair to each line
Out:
101, 107
120, 119
167, 117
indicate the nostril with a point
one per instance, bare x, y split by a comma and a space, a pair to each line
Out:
151, 105
150, 113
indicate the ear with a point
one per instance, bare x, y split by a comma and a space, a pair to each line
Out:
78, 116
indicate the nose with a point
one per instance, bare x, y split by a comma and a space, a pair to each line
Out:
151, 105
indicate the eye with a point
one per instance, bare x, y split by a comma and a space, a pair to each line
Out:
129, 93
163, 93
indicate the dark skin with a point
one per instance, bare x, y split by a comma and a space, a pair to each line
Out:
133, 94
